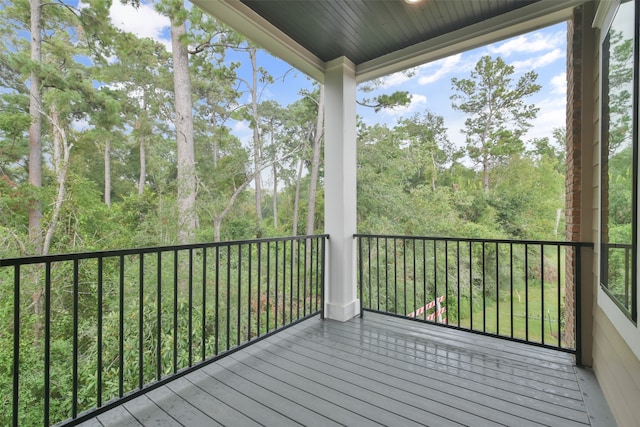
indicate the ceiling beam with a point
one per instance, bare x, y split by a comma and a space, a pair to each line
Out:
257, 29
511, 24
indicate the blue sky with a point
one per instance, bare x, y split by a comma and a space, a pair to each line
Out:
543, 51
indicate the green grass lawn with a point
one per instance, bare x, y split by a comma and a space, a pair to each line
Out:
498, 317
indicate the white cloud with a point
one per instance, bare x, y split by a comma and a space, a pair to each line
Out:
559, 84
446, 66
242, 131
396, 79
552, 115
528, 43
426, 73
144, 22
539, 61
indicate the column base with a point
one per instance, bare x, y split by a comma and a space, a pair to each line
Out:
342, 313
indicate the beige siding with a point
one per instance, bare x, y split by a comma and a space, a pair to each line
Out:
617, 370
616, 366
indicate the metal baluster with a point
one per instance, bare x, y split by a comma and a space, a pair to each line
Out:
275, 315
159, 319
361, 274
319, 276
458, 267
526, 290
216, 314
258, 311
386, 274
298, 279
228, 322
190, 340
435, 274
511, 284
239, 313
414, 276
268, 282
323, 256
542, 291
291, 282
304, 278
369, 278
121, 332
16, 344
424, 278
76, 291
471, 285
404, 274
204, 303
497, 289
284, 283
249, 278
47, 340
175, 311
446, 278
141, 321
558, 292
484, 289
395, 275
378, 271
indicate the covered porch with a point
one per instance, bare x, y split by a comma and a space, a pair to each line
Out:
349, 370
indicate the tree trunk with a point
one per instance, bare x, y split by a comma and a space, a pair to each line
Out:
143, 167
35, 129
275, 196
61, 153
315, 164
485, 152
296, 201
217, 219
257, 148
485, 173
433, 174
107, 172
186, 198
217, 225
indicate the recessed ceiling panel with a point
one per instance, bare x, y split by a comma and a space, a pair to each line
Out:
363, 30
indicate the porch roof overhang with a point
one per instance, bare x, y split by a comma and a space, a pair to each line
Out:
380, 37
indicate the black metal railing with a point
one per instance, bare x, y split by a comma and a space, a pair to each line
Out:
85, 332
506, 288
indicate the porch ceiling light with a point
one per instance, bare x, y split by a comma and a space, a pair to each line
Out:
412, 1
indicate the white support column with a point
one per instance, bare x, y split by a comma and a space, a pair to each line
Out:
341, 301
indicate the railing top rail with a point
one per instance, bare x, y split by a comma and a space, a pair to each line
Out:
38, 259
480, 240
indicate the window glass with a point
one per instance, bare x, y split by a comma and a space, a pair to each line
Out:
619, 159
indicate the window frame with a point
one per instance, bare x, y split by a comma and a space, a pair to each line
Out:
630, 312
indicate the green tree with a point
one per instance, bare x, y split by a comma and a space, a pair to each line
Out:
428, 147
498, 115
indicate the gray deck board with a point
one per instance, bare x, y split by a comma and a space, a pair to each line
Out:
452, 366
438, 387
377, 370
118, 416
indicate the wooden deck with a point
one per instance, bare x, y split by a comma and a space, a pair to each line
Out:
376, 370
